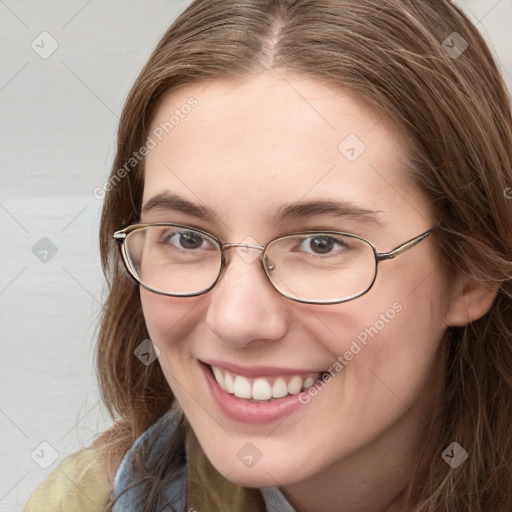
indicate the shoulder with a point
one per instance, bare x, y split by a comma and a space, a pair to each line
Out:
80, 483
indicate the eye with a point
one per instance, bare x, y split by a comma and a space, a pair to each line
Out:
323, 244
188, 240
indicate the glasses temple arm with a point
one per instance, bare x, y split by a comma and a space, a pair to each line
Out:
381, 256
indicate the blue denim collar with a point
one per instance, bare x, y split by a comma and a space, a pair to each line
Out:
176, 492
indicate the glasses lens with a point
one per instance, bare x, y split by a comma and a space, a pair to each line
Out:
321, 267
173, 259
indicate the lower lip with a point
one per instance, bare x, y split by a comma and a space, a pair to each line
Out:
249, 412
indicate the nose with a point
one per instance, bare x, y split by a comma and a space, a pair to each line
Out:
244, 307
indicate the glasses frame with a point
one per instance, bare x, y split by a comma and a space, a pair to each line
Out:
121, 235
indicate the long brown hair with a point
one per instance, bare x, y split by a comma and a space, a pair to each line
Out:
455, 113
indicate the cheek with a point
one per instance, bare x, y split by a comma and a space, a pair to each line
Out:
386, 344
167, 318
170, 322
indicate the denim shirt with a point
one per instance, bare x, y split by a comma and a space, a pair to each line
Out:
176, 492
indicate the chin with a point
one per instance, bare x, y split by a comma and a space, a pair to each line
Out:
263, 473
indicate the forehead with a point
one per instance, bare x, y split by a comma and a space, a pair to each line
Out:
273, 139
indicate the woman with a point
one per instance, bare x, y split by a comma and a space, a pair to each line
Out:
311, 308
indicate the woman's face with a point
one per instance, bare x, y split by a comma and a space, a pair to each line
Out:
246, 151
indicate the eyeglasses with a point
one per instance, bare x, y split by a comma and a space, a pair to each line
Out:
314, 267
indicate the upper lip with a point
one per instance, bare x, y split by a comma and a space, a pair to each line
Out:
258, 371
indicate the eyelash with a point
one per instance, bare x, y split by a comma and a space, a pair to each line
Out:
297, 228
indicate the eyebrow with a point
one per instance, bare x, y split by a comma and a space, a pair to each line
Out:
305, 209
166, 201
287, 212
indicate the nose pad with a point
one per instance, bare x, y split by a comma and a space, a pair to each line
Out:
268, 264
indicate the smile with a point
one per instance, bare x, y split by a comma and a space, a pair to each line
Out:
263, 388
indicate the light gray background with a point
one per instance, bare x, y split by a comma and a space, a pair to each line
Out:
58, 121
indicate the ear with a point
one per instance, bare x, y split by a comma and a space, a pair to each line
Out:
471, 300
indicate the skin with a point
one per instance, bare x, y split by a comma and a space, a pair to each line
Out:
246, 149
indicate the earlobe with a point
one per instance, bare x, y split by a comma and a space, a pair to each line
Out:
471, 300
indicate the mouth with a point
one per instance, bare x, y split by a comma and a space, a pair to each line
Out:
263, 389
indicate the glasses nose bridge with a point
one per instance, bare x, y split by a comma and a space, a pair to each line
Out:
226, 246
252, 246
261, 248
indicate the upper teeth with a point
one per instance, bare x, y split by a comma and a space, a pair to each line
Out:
262, 388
